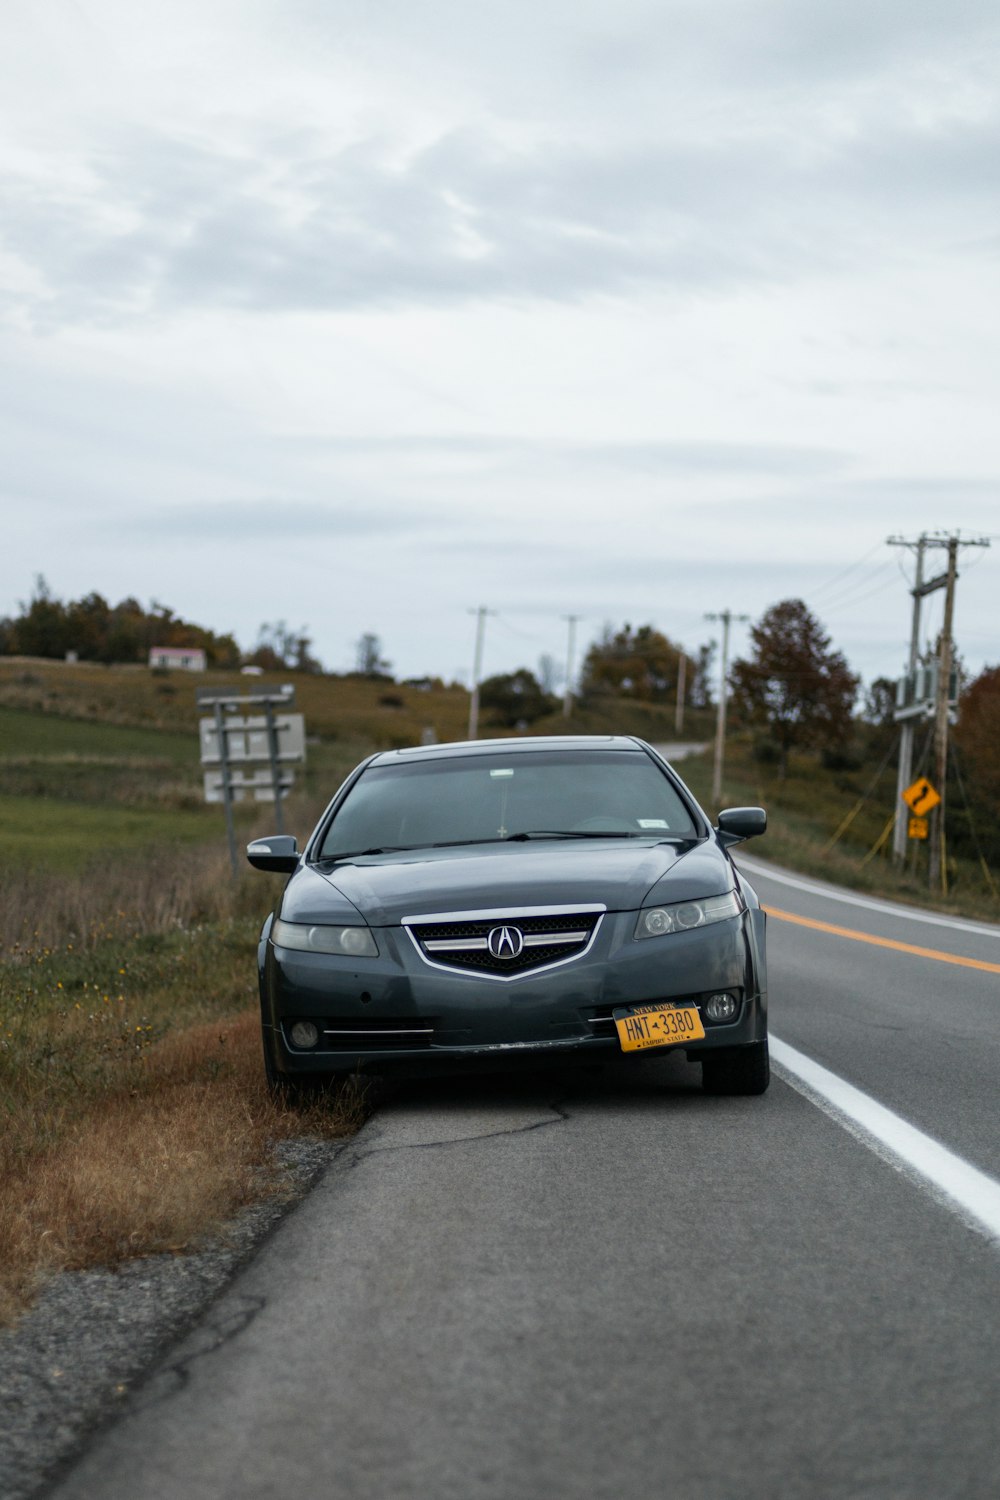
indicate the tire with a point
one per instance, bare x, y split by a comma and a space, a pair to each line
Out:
742, 1070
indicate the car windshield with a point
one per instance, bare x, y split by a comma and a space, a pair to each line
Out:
496, 797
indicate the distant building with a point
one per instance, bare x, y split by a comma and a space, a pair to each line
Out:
178, 658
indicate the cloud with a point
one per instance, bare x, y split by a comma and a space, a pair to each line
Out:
153, 224
275, 517
643, 457
549, 59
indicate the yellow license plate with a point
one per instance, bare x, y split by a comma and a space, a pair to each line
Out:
643, 1026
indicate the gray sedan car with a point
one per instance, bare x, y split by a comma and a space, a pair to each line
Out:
513, 901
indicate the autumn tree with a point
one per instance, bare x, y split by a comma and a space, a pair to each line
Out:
640, 663
41, 629
513, 698
99, 631
977, 740
279, 648
794, 683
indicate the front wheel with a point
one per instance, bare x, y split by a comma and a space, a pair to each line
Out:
741, 1070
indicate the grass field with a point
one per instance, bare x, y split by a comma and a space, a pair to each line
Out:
376, 714
32, 735
335, 708
133, 1115
69, 836
805, 811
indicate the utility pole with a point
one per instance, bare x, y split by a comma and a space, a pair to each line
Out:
727, 617
477, 667
905, 770
681, 684
935, 864
571, 621
907, 712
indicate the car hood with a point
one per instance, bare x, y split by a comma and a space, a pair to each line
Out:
620, 876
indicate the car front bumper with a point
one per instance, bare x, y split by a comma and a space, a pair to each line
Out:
397, 1011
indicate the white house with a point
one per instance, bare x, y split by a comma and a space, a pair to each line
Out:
178, 658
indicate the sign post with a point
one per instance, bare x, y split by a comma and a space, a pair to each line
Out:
227, 790
250, 754
921, 797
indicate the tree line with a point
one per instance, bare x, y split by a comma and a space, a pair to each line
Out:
93, 629
96, 630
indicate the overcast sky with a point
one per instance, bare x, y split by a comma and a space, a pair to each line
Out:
362, 313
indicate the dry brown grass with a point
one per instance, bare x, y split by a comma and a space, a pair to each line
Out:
141, 893
133, 1112
380, 713
154, 1165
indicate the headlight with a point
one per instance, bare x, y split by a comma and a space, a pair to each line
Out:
656, 921
352, 942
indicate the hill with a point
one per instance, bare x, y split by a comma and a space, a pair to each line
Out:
120, 742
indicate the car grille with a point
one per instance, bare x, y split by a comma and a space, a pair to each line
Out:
505, 945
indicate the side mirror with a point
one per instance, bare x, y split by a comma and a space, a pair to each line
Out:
738, 823
279, 853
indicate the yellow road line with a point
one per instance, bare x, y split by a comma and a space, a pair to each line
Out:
881, 942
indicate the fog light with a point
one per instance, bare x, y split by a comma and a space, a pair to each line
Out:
304, 1034
721, 1007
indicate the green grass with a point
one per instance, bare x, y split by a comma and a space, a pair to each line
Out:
43, 832
43, 736
805, 810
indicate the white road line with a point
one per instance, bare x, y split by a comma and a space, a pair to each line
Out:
982, 929
950, 1179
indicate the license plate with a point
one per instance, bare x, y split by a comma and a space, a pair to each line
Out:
643, 1026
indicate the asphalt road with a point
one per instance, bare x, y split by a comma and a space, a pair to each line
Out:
616, 1287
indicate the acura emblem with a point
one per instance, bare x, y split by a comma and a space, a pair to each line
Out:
505, 942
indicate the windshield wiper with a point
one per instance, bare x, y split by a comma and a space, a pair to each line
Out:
575, 833
405, 848
511, 838
360, 853
457, 843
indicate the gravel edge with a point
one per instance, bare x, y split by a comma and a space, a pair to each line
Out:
67, 1366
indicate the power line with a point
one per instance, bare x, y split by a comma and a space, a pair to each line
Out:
849, 600
503, 620
845, 572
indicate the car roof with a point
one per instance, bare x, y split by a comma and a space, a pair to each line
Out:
518, 746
